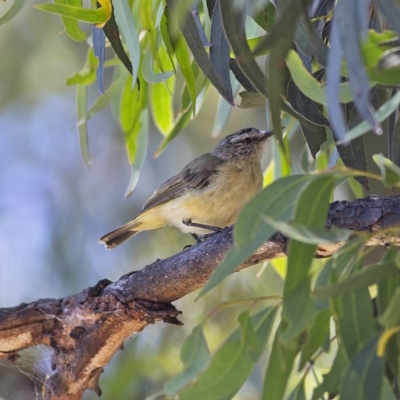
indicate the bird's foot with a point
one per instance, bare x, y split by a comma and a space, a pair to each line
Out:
213, 229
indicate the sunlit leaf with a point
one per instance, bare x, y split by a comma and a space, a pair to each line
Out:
71, 25
331, 380
147, 20
87, 75
299, 392
309, 85
91, 16
136, 143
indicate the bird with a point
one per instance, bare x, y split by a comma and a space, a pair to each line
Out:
207, 194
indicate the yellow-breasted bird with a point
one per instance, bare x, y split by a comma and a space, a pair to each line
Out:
211, 190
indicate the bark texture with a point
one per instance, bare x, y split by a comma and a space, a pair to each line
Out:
85, 330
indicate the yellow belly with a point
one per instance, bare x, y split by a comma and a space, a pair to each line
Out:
219, 203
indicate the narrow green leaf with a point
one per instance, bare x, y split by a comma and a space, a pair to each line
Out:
81, 104
136, 143
354, 156
87, 75
182, 56
249, 234
309, 85
13, 11
147, 20
149, 75
112, 32
103, 100
332, 379
71, 25
304, 234
316, 336
299, 392
279, 367
91, 16
389, 171
387, 391
365, 277
363, 378
298, 305
219, 51
162, 105
308, 40
191, 34
355, 322
224, 111
388, 286
123, 16
233, 23
391, 317
383, 112
234, 359
195, 357
132, 103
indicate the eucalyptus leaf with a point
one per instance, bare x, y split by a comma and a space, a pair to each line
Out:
219, 51
123, 16
235, 358
279, 367
360, 279
91, 16
71, 25
306, 234
363, 378
390, 172
141, 135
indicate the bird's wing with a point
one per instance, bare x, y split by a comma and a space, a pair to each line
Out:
196, 175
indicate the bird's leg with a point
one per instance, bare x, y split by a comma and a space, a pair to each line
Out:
189, 222
213, 229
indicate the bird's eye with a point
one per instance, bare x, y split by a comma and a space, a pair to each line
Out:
248, 140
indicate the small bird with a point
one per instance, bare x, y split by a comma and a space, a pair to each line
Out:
206, 195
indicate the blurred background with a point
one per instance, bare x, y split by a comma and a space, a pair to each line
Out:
53, 210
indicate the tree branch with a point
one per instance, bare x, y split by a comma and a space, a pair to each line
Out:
86, 329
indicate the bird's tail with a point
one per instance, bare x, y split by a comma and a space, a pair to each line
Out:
115, 238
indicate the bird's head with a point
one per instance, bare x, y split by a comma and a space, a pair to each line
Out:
246, 143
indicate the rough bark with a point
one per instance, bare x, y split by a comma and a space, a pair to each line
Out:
86, 329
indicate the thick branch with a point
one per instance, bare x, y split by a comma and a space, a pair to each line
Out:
85, 330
